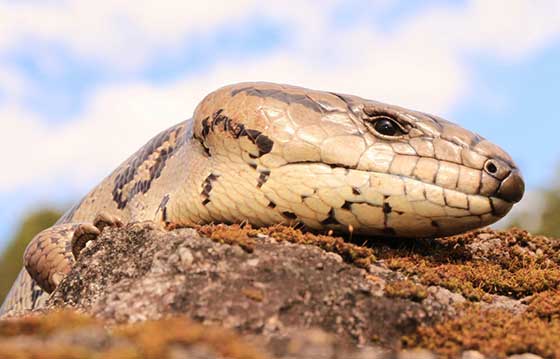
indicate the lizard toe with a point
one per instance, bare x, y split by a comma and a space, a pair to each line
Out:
104, 219
82, 235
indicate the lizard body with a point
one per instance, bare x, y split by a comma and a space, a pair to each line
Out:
266, 153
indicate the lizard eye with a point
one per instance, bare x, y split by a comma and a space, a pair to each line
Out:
385, 126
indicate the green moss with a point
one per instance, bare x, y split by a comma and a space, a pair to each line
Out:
495, 333
521, 266
15, 351
406, 289
153, 338
516, 265
545, 305
245, 236
44, 325
49, 335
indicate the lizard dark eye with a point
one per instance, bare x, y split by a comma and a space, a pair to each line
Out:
386, 126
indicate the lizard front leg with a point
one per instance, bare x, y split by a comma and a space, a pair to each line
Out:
48, 257
51, 254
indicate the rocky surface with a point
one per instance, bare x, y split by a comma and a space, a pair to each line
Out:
279, 293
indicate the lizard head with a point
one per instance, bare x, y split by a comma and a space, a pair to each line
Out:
347, 163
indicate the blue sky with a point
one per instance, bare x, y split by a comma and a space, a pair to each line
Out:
83, 85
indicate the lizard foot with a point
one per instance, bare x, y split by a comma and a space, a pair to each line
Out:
51, 254
47, 258
87, 232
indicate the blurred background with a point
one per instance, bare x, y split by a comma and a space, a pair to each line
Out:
84, 84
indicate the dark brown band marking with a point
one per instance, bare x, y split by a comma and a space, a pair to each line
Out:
387, 208
207, 187
331, 219
386, 211
146, 166
163, 207
263, 177
289, 215
220, 121
36, 293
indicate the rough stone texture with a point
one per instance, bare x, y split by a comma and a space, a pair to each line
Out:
291, 295
141, 273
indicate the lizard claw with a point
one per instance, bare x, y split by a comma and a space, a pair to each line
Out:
56, 278
104, 219
89, 232
84, 233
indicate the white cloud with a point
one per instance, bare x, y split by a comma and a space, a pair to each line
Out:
503, 28
12, 83
419, 65
115, 122
128, 33
121, 31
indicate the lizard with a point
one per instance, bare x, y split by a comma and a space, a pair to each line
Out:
265, 153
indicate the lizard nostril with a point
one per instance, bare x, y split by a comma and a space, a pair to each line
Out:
497, 169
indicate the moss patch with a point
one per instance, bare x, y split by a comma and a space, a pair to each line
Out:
517, 266
406, 289
245, 236
545, 305
66, 334
495, 333
480, 264
154, 338
44, 326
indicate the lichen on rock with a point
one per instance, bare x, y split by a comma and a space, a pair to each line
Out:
294, 294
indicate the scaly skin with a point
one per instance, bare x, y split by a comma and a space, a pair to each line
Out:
267, 153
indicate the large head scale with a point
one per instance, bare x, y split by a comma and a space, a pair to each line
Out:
343, 162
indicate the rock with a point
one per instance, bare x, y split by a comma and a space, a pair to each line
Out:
524, 356
275, 285
472, 354
416, 354
294, 295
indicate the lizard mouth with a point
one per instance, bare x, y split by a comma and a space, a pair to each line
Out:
510, 189
380, 203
